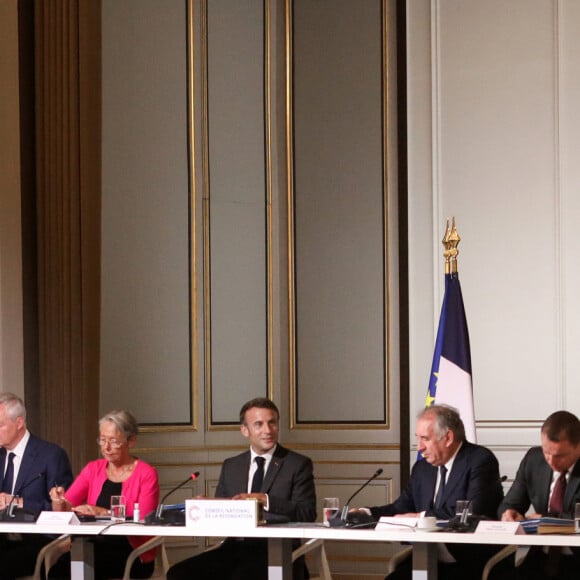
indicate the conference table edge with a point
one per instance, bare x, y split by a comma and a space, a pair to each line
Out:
295, 531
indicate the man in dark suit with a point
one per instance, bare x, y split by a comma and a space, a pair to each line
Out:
29, 467
451, 469
548, 479
281, 479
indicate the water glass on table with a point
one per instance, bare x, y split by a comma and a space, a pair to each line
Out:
330, 507
118, 508
577, 518
463, 510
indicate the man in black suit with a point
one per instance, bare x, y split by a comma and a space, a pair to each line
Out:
548, 479
285, 487
451, 469
29, 467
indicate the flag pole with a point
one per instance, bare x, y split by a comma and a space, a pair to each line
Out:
450, 381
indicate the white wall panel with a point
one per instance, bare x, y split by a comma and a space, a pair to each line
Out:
497, 175
569, 131
424, 301
493, 92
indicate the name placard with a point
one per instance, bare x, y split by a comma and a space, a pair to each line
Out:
492, 527
64, 518
222, 516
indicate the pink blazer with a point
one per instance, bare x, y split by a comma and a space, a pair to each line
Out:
141, 487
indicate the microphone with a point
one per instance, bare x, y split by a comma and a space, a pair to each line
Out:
14, 513
7, 513
342, 520
157, 518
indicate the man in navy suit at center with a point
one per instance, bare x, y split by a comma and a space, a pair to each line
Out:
29, 467
452, 469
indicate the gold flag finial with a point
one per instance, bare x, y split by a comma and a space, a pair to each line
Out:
450, 242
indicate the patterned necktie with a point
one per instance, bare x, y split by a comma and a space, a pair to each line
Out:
556, 506
9, 474
258, 476
441, 490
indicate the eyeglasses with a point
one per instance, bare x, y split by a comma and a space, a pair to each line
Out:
113, 443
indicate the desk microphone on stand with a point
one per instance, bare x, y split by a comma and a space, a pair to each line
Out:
12, 512
157, 517
342, 521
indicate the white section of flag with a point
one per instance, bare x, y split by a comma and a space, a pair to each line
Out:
454, 388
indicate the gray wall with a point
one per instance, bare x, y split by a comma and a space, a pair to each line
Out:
250, 233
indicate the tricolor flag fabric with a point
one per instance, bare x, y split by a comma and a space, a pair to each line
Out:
450, 379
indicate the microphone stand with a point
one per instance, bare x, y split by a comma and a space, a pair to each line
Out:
158, 516
342, 521
8, 513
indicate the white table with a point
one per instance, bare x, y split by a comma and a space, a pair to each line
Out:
279, 542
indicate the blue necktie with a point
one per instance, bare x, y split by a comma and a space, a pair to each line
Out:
441, 490
9, 474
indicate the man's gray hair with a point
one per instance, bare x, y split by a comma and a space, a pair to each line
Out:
14, 405
446, 419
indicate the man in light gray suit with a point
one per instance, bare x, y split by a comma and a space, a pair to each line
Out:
281, 479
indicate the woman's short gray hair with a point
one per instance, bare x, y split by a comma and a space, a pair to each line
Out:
123, 420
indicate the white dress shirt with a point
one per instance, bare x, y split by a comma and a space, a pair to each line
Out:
254, 466
18, 454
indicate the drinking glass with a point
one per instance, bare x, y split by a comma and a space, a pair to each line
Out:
118, 508
329, 509
463, 509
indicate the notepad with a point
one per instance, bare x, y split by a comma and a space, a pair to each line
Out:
548, 525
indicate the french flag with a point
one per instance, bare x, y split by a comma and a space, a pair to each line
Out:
450, 380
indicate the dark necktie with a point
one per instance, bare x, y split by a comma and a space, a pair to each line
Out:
9, 474
441, 490
556, 506
258, 476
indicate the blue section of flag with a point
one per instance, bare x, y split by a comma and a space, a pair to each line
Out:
455, 336
452, 345
452, 335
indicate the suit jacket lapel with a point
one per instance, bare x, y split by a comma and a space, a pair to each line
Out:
572, 489
241, 475
430, 482
457, 471
273, 468
545, 481
2, 464
26, 471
